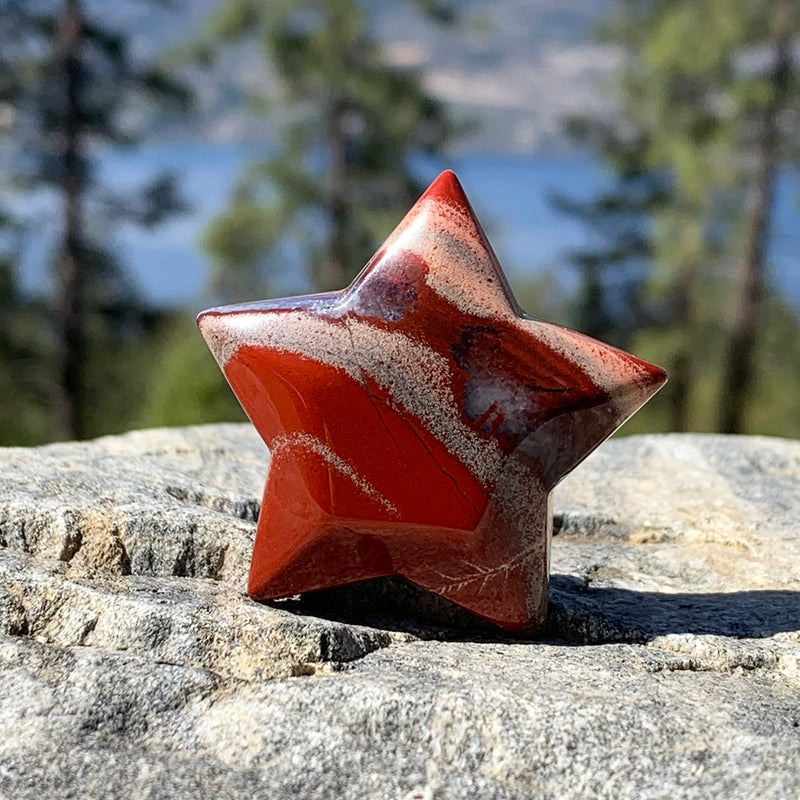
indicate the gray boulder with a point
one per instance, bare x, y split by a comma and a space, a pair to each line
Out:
133, 665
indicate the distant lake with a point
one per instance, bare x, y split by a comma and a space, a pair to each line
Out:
510, 194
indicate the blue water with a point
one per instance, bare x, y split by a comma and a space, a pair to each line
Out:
510, 195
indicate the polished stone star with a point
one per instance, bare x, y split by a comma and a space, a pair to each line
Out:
418, 420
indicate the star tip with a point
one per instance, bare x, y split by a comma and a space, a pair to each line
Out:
447, 187
657, 376
203, 317
653, 378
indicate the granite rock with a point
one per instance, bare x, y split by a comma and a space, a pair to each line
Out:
133, 665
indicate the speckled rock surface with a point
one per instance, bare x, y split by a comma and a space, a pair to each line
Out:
132, 664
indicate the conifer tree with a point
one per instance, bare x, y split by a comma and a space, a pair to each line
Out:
341, 177
72, 84
766, 100
614, 266
711, 86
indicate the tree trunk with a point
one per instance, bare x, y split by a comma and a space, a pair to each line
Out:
680, 366
680, 379
69, 259
335, 265
592, 319
334, 268
738, 374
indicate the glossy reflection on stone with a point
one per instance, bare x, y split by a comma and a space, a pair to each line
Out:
418, 420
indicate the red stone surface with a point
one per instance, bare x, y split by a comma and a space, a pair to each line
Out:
418, 420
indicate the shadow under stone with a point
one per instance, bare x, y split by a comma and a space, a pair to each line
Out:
577, 614
596, 614
392, 604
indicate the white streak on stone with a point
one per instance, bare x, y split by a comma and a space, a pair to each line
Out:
416, 377
297, 332
309, 443
461, 268
609, 369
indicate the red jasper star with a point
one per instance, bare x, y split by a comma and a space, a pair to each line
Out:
418, 420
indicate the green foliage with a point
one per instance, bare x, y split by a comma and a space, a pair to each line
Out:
341, 178
615, 269
24, 374
73, 84
774, 409
185, 386
705, 88
542, 297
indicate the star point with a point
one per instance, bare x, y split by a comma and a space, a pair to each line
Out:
418, 420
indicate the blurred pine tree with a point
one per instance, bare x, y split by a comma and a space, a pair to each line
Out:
72, 84
350, 124
711, 88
